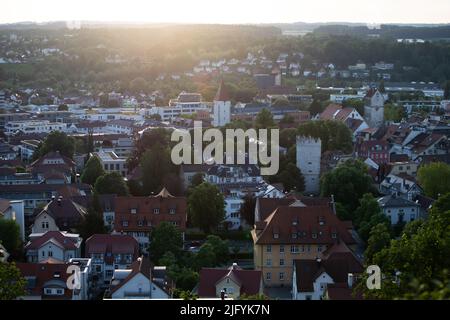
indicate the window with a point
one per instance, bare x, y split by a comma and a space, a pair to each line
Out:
268, 276
50, 253
269, 248
140, 223
294, 249
281, 276
133, 211
156, 210
59, 291
314, 235
48, 291
282, 248
276, 235
269, 262
172, 210
319, 248
294, 235
125, 223
281, 262
334, 235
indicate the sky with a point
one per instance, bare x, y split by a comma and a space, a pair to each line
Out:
228, 11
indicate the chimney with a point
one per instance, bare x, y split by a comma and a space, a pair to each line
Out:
235, 265
350, 280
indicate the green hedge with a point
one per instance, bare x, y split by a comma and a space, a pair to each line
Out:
226, 235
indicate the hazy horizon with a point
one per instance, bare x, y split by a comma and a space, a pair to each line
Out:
229, 12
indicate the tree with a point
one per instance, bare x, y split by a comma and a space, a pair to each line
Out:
393, 112
9, 234
63, 107
165, 238
247, 210
206, 207
197, 179
56, 141
281, 102
335, 135
434, 179
264, 119
91, 224
220, 248
92, 171
12, 284
378, 240
348, 183
155, 164
315, 107
205, 257
111, 183
416, 264
292, 178
368, 215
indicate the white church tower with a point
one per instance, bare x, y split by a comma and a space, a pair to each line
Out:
309, 152
222, 107
374, 108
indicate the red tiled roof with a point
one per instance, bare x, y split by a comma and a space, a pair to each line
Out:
113, 243
337, 263
328, 113
40, 274
140, 266
67, 213
341, 291
249, 280
68, 243
145, 214
313, 225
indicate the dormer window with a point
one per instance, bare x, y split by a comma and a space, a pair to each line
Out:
314, 235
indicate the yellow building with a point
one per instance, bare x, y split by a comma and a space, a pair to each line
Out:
292, 233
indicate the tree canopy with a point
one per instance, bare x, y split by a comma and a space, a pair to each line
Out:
92, 171
12, 284
348, 183
206, 207
434, 178
111, 183
165, 238
56, 141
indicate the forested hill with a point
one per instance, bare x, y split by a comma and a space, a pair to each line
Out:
391, 31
